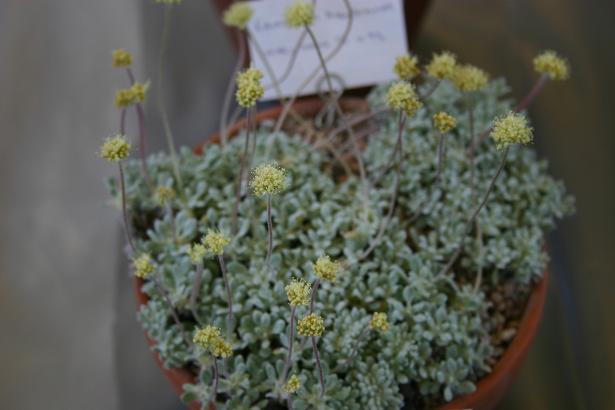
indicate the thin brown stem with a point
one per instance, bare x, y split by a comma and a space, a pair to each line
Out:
291, 337
470, 222
173, 224
314, 291
269, 230
242, 167
355, 348
141, 122
423, 206
215, 381
124, 211
431, 90
229, 296
196, 288
228, 95
321, 375
174, 315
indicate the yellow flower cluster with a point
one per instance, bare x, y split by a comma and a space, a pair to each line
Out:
121, 58
552, 64
209, 338
298, 292
164, 194
379, 322
249, 87
511, 129
143, 265
292, 385
129, 96
406, 67
442, 65
444, 122
197, 253
268, 179
115, 148
325, 268
311, 325
401, 96
215, 241
238, 15
299, 14
469, 78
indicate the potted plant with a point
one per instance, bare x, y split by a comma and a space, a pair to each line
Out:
344, 253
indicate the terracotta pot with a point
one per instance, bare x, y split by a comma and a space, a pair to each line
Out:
489, 390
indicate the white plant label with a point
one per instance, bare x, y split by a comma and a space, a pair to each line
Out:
377, 36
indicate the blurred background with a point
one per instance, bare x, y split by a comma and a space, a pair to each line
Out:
68, 334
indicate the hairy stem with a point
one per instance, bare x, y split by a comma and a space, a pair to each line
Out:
228, 95
196, 288
471, 221
242, 167
215, 381
141, 121
124, 212
291, 337
321, 375
174, 315
314, 292
269, 230
173, 224
355, 348
229, 297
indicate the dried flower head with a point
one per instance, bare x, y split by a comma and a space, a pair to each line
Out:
300, 14
221, 348
238, 15
401, 96
115, 148
164, 194
206, 336
298, 292
444, 122
379, 322
249, 87
442, 65
469, 78
268, 179
511, 129
197, 253
121, 58
215, 241
124, 98
406, 67
292, 385
311, 325
325, 268
138, 91
551, 64
143, 265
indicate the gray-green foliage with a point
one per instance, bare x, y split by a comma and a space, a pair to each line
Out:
437, 341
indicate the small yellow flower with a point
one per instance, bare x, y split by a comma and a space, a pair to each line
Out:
551, 64
379, 322
469, 78
299, 14
406, 67
298, 292
215, 241
164, 194
197, 253
401, 96
238, 15
268, 179
325, 268
311, 325
138, 91
292, 385
115, 148
221, 348
444, 122
206, 336
143, 265
442, 65
124, 98
121, 58
511, 129
249, 87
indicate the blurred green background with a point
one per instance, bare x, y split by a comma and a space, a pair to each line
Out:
68, 336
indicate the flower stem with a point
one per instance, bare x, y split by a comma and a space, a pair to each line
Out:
269, 230
354, 349
123, 121
291, 337
196, 288
173, 224
228, 96
321, 375
314, 291
174, 315
471, 221
161, 107
229, 297
124, 212
242, 167
141, 121
215, 381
